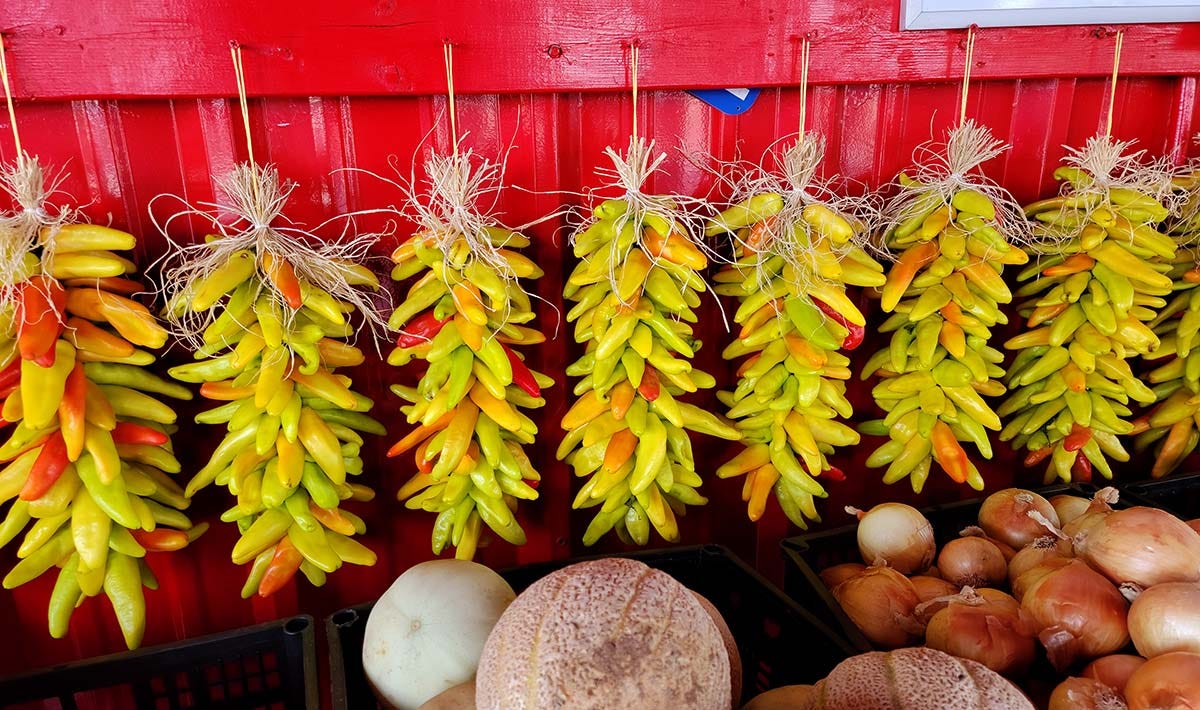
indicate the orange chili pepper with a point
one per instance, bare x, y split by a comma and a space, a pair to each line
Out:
284, 565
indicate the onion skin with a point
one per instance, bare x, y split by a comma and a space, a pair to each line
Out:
1080, 614
1167, 682
897, 534
1114, 670
1069, 508
1142, 546
1003, 516
1035, 553
1165, 618
1085, 694
1028, 577
1099, 509
882, 603
932, 587
835, 575
995, 634
972, 562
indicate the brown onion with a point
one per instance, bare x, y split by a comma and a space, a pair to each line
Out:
1165, 618
1031, 575
1114, 670
895, 534
1035, 553
1085, 694
1004, 515
882, 603
1080, 613
1142, 546
1194, 524
1069, 507
976, 531
835, 575
933, 571
972, 562
1098, 510
932, 587
1167, 682
989, 629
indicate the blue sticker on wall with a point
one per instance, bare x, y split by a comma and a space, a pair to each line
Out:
728, 101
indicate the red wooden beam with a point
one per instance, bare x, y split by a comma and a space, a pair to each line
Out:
142, 48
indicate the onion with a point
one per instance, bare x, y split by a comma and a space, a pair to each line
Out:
1069, 507
1166, 682
1142, 546
932, 587
1096, 511
1079, 612
1165, 618
835, 575
896, 534
1194, 524
976, 531
989, 629
1035, 553
1004, 515
972, 562
1114, 670
1033, 574
933, 571
882, 603
1085, 694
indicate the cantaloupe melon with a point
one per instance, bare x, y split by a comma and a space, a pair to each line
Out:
604, 634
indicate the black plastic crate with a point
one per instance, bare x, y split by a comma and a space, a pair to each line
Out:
270, 665
808, 554
780, 642
1178, 494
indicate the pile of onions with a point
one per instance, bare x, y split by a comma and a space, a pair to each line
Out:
897, 535
1079, 612
1085, 694
1069, 508
976, 531
1035, 553
932, 587
882, 603
972, 562
1166, 618
1096, 511
1114, 670
835, 575
990, 629
1004, 516
1141, 546
1165, 682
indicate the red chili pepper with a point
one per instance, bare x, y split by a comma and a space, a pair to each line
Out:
522, 376
650, 387
72, 412
130, 433
39, 325
1078, 437
10, 376
835, 474
47, 467
857, 332
284, 564
420, 330
161, 539
1033, 458
1082, 468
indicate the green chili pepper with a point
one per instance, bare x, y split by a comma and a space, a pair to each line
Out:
41, 533
123, 585
263, 533
297, 506
63, 599
43, 559
314, 547
257, 571
111, 497
90, 528
14, 522
318, 485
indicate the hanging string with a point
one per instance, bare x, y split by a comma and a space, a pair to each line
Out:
968, 60
804, 45
1112, 90
448, 58
12, 113
235, 50
633, 68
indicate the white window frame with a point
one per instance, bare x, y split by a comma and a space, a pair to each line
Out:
959, 14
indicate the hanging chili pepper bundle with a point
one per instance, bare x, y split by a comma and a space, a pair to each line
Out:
466, 317
89, 456
796, 249
634, 292
954, 231
267, 316
1171, 426
1099, 279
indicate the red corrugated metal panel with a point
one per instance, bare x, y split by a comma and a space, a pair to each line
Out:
120, 154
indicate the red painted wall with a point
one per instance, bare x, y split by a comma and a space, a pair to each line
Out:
120, 153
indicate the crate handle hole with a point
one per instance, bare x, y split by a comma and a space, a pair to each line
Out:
345, 617
296, 625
